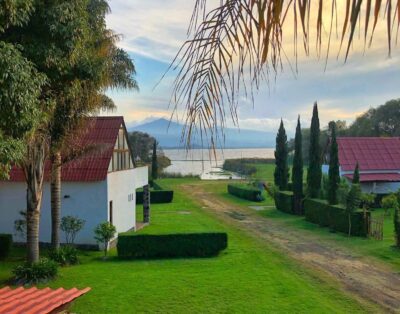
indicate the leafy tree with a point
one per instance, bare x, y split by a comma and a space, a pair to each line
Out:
389, 201
334, 176
297, 171
396, 221
210, 77
98, 65
314, 174
154, 162
281, 174
104, 232
356, 174
352, 202
71, 225
141, 145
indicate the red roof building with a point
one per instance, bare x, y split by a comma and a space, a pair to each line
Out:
378, 159
98, 183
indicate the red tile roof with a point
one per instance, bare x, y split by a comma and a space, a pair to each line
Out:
36, 301
377, 177
101, 133
371, 153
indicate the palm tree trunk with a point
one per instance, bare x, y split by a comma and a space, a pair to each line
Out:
34, 172
55, 191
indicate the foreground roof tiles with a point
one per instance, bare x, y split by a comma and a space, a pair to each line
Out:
36, 301
371, 153
377, 177
101, 134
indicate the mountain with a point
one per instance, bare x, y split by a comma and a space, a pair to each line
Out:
168, 134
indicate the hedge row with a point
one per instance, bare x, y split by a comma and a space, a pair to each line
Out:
156, 196
5, 245
284, 201
246, 192
171, 245
334, 216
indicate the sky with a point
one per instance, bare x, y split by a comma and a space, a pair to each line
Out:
152, 32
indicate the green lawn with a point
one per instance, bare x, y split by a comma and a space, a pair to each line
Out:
382, 250
249, 277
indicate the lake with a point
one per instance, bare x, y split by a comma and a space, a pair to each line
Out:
203, 163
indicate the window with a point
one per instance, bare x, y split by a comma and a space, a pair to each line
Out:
111, 212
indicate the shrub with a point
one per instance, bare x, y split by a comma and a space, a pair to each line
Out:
240, 166
40, 272
103, 233
334, 216
284, 201
5, 245
156, 196
65, 255
171, 245
246, 192
71, 226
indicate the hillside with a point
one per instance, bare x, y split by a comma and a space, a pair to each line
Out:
168, 134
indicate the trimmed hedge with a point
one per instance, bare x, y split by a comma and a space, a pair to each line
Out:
334, 216
246, 192
171, 245
5, 245
284, 201
156, 196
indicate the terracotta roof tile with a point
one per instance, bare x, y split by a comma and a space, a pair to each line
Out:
371, 153
34, 300
377, 177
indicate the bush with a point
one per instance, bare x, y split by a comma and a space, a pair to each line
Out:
334, 216
171, 245
156, 196
103, 233
284, 201
246, 192
5, 245
71, 226
35, 273
65, 255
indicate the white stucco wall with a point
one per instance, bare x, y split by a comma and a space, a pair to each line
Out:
122, 187
87, 200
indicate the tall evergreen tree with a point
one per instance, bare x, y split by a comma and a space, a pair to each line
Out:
356, 175
297, 171
314, 174
281, 174
334, 176
154, 162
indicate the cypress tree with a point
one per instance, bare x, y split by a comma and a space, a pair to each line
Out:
297, 171
356, 175
334, 176
281, 174
314, 174
154, 163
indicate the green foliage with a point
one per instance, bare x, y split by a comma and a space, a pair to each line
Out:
281, 174
284, 201
5, 245
396, 221
65, 255
156, 196
334, 176
71, 226
240, 166
103, 233
381, 121
245, 191
367, 200
334, 216
141, 145
353, 202
356, 175
154, 162
343, 191
35, 273
171, 245
389, 201
297, 172
314, 174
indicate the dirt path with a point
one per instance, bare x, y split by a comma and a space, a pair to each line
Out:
368, 281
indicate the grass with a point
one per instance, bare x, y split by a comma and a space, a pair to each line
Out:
381, 250
247, 277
